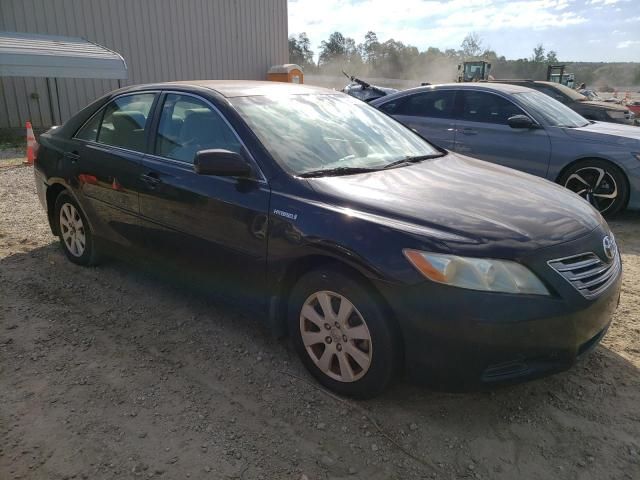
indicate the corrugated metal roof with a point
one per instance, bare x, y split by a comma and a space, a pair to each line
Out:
33, 55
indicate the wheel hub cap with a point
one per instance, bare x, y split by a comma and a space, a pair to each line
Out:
336, 336
595, 185
72, 230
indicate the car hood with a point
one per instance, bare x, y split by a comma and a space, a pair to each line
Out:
607, 132
464, 203
603, 105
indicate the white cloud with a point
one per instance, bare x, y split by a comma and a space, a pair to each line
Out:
628, 43
423, 23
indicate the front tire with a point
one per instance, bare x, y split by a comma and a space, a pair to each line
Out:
599, 182
342, 334
74, 231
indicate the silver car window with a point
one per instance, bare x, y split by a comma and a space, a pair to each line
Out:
487, 107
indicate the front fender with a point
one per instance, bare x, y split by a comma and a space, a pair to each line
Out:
370, 244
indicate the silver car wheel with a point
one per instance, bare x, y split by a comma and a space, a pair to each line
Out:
336, 336
595, 185
72, 230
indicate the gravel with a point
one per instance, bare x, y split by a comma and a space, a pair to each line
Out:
112, 372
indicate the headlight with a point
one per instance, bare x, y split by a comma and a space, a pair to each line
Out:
476, 273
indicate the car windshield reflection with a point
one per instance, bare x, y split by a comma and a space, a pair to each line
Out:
307, 133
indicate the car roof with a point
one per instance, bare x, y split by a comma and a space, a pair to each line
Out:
518, 81
242, 88
486, 86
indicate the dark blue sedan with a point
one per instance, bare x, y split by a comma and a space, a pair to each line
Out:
374, 250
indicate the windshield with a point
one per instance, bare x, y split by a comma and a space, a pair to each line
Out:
307, 133
551, 111
569, 92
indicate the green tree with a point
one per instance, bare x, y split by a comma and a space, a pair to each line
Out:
338, 48
538, 54
332, 49
552, 56
471, 45
300, 51
370, 49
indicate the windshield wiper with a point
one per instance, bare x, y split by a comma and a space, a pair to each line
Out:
328, 172
410, 160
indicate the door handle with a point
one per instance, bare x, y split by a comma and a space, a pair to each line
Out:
151, 179
469, 131
71, 156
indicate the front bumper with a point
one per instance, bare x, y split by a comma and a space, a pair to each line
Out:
457, 339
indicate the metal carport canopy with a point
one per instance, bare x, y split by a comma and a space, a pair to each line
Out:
53, 56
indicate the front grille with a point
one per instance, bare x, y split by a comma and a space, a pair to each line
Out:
587, 272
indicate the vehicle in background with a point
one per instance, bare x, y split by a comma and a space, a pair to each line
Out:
474, 71
521, 128
591, 110
364, 91
556, 74
634, 106
372, 248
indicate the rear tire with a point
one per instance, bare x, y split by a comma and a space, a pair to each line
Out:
74, 231
599, 182
342, 334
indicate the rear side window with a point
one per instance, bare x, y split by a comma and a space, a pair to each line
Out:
435, 104
188, 125
90, 129
487, 108
553, 93
124, 121
392, 107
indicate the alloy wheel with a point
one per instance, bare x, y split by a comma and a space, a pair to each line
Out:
336, 336
595, 185
72, 230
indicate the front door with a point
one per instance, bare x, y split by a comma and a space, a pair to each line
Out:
428, 113
482, 131
108, 153
210, 228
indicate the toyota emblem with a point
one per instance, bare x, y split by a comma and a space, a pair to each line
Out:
609, 246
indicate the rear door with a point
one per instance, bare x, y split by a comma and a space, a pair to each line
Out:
107, 154
210, 228
482, 131
430, 113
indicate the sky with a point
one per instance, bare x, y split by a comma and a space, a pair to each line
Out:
578, 30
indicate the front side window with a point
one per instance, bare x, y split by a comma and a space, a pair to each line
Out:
435, 104
487, 108
124, 121
305, 133
188, 125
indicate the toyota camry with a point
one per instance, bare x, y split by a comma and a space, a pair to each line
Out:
375, 251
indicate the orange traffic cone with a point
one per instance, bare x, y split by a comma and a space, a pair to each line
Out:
32, 145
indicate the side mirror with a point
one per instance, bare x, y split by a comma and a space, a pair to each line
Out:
221, 163
520, 121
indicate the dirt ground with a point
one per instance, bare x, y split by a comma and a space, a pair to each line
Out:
113, 373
